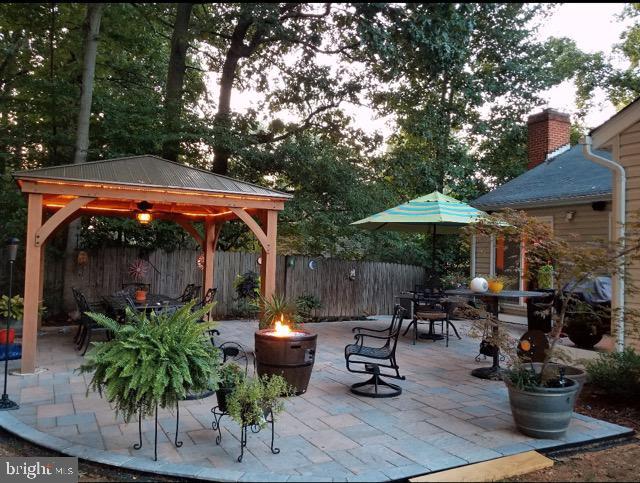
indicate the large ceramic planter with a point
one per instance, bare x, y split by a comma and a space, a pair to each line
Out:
543, 412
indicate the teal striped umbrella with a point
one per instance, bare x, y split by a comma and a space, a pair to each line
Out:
434, 213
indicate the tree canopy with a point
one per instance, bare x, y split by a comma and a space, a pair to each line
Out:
266, 92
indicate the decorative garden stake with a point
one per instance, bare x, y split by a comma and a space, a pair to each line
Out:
5, 402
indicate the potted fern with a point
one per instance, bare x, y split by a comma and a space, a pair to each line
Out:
154, 360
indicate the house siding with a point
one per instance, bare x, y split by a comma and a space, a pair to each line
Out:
629, 157
587, 224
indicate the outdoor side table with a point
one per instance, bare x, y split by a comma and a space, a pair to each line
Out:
493, 302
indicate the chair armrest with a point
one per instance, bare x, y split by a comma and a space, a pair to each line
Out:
368, 329
361, 336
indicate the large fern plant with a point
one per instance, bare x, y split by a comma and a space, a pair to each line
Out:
152, 359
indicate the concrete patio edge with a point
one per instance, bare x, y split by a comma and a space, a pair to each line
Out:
198, 472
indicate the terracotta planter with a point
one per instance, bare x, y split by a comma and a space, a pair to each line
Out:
495, 286
141, 295
3, 336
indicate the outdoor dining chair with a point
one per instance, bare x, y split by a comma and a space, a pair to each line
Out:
432, 309
86, 325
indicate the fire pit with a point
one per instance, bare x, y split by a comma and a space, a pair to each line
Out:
289, 353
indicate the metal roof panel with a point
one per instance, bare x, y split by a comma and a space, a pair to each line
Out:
152, 171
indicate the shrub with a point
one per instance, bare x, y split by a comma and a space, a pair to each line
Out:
253, 397
616, 373
306, 304
247, 285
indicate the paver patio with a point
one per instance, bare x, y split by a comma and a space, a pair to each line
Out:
444, 418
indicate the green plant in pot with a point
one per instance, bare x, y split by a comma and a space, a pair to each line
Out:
15, 317
231, 375
277, 308
152, 360
542, 396
255, 397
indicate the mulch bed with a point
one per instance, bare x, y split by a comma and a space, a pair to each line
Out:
596, 405
617, 463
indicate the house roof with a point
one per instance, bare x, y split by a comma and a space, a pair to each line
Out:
567, 177
148, 171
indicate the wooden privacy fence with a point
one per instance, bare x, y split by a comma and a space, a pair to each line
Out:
345, 288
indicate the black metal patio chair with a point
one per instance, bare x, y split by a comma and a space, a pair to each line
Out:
432, 309
86, 325
365, 359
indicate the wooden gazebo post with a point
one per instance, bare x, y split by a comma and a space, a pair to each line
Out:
269, 220
32, 284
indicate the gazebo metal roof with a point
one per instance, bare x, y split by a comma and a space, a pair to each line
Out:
149, 171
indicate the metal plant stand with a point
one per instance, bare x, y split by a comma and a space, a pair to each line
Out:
177, 443
255, 428
215, 425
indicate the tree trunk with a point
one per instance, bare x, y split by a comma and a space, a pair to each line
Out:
175, 81
234, 54
92, 30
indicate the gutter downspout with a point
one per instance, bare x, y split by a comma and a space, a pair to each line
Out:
619, 212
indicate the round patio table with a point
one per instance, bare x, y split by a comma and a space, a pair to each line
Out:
492, 300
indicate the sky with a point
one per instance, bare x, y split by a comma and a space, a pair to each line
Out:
594, 27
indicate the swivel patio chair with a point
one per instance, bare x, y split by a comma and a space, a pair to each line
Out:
363, 359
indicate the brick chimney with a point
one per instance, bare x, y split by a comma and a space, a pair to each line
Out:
548, 131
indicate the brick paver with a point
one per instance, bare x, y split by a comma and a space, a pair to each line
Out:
444, 418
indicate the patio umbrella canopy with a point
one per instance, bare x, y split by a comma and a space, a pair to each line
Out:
435, 213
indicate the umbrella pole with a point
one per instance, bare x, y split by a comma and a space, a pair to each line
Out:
433, 251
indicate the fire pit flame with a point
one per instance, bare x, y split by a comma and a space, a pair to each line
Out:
281, 329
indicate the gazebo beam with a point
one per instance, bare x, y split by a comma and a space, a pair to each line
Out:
253, 226
32, 285
189, 228
59, 217
151, 195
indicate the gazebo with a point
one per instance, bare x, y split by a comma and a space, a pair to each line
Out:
144, 187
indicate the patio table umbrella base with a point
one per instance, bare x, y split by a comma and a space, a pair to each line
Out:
492, 373
372, 386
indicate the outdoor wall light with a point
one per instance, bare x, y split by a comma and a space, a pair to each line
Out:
143, 216
570, 215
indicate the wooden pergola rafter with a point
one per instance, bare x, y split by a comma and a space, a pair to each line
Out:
116, 187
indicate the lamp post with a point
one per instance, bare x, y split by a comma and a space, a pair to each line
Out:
5, 402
